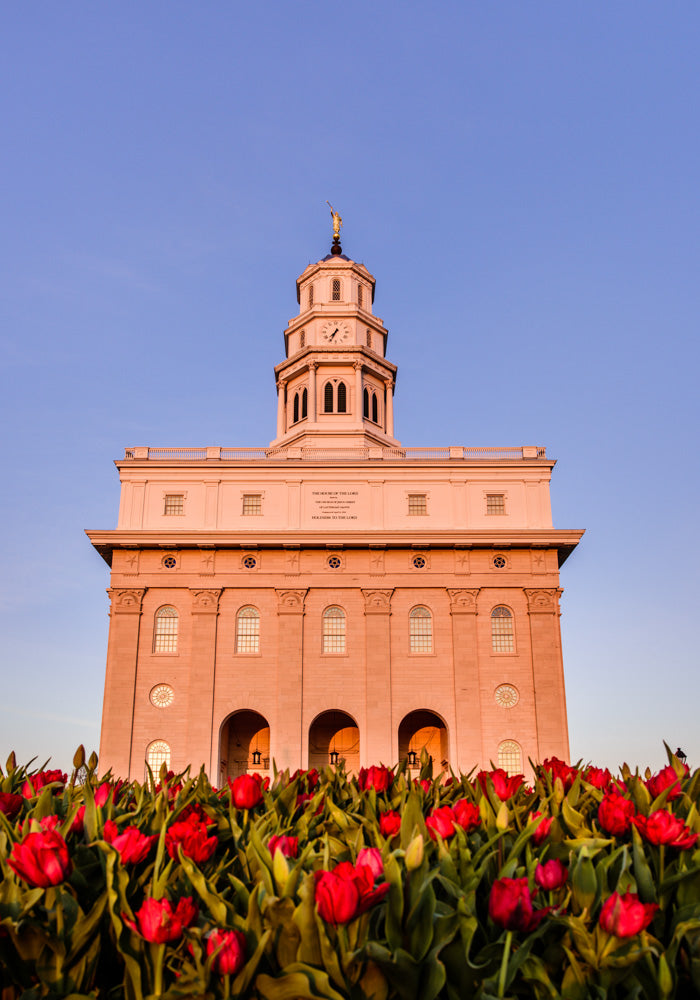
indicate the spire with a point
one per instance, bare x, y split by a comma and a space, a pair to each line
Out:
336, 248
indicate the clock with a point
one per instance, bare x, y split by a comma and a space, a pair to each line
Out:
335, 333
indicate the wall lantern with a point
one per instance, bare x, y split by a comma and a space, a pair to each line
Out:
256, 758
412, 759
334, 757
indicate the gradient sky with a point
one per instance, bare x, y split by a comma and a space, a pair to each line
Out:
523, 182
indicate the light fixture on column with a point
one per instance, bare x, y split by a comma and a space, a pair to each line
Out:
412, 759
256, 758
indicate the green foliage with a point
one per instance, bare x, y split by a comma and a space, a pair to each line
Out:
171, 889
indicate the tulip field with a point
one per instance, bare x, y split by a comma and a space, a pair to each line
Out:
318, 886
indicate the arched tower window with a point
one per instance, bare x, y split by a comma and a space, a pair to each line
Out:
510, 757
334, 630
502, 640
369, 338
342, 397
420, 631
365, 403
157, 754
375, 408
335, 292
311, 296
304, 403
302, 339
328, 398
165, 631
248, 630
359, 295
295, 409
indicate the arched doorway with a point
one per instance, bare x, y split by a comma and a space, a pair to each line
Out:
245, 744
334, 733
424, 730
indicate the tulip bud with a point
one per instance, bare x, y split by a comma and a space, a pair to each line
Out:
414, 853
11, 764
79, 757
92, 761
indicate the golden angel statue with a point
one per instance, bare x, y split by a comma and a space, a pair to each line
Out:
337, 221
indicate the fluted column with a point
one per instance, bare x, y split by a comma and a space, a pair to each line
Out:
200, 724
467, 693
286, 739
281, 407
389, 407
358, 391
313, 365
376, 744
120, 684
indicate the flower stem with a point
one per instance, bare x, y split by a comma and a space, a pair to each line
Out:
504, 964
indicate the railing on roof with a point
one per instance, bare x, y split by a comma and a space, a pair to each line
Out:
332, 454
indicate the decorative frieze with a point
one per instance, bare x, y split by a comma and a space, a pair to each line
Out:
463, 601
290, 602
543, 601
205, 601
126, 601
377, 602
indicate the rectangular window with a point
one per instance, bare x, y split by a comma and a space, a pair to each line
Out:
174, 503
359, 296
495, 503
335, 296
252, 503
417, 503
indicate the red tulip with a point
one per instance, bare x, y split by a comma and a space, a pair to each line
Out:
467, 814
308, 778
624, 916
35, 782
662, 827
379, 778
542, 829
78, 824
510, 905
441, 821
158, 922
132, 845
504, 785
370, 892
41, 859
228, 948
372, 858
600, 778
666, 778
337, 898
560, 769
389, 823
615, 814
191, 835
10, 804
423, 783
288, 846
246, 790
551, 875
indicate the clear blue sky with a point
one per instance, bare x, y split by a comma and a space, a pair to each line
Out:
522, 180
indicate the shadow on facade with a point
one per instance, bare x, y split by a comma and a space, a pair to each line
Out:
245, 744
334, 733
424, 730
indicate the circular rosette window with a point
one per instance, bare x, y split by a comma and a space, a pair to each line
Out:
506, 696
162, 695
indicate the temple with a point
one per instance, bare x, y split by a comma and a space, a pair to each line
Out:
335, 597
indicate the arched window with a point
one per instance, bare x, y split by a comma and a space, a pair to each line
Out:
311, 295
302, 339
304, 404
359, 295
375, 408
342, 397
334, 630
157, 754
248, 630
369, 338
510, 757
420, 631
165, 632
502, 630
295, 415
365, 403
328, 398
335, 293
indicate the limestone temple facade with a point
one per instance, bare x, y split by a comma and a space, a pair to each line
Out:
335, 596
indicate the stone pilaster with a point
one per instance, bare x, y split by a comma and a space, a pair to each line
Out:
467, 688
120, 682
200, 747
377, 745
548, 673
286, 740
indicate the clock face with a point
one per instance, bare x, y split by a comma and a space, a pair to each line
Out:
335, 333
